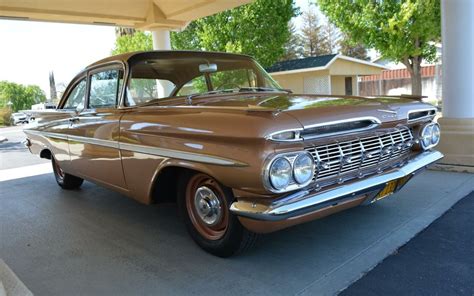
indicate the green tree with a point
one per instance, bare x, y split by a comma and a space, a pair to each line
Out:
259, 29
22, 97
352, 49
136, 41
332, 36
294, 45
404, 30
315, 41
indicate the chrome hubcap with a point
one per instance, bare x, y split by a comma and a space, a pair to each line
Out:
207, 206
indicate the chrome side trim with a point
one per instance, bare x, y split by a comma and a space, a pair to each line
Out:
306, 201
46, 134
142, 149
94, 141
179, 154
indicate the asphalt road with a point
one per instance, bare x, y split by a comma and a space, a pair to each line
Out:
438, 261
13, 153
94, 241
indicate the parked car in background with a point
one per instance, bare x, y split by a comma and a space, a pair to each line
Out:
18, 117
240, 155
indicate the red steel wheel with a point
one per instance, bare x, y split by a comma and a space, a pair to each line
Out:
207, 206
204, 204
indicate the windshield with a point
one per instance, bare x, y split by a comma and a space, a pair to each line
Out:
153, 79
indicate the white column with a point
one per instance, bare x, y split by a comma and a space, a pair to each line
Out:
457, 123
458, 58
356, 92
162, 41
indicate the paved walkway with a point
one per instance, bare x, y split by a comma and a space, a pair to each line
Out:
438, 261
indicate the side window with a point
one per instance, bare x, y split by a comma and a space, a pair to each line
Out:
195, 86
105, 89
77, 96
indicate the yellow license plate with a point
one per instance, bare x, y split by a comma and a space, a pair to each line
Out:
388, 190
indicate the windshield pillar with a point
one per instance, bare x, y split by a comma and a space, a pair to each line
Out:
162, 41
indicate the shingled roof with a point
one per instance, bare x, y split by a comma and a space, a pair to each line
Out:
310, 62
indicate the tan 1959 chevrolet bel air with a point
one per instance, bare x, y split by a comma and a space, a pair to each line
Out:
240, 155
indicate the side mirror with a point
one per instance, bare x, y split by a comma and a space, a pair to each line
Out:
207, 68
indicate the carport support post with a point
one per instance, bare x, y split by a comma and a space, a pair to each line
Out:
457, 123
161, 41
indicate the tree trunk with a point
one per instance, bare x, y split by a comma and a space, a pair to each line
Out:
416, 88
413, 65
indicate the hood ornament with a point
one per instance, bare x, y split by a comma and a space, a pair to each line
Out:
388, 113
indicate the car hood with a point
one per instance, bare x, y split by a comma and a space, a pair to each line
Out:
313, 109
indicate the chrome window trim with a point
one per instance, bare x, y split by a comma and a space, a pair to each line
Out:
423, 117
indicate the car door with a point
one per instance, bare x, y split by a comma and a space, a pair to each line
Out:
56, 124
94, 131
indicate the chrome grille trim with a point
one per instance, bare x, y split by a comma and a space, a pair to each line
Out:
361, 156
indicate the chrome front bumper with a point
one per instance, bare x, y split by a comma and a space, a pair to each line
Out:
306, 201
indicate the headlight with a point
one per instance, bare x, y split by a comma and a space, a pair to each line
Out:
303, 168
280, 173
426, 136
430, 135
435, 134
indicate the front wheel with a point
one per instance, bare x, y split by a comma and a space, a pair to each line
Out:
204, 204
65, 180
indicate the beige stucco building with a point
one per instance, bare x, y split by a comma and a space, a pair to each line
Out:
328, 74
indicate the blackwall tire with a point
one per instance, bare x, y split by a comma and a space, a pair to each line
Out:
65, 180
204, 205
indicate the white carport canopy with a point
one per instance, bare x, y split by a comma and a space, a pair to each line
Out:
158, 16
139, 14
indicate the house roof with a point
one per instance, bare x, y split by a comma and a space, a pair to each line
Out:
309, 62
316, 63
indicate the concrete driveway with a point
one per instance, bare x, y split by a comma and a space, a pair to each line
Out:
94, 241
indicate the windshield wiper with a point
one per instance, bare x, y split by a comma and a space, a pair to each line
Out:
261, 88
189, 99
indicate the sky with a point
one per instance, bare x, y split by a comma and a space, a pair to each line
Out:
30, 50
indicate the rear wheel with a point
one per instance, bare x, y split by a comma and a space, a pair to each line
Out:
204, 204
65, 180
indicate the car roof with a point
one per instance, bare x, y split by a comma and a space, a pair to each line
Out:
126, 57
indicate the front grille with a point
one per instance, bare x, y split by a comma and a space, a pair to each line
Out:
343, 160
